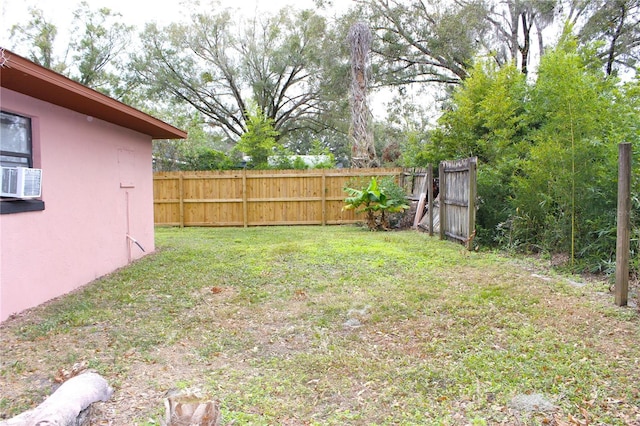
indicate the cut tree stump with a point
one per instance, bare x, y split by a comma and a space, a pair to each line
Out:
68, 404
189, 410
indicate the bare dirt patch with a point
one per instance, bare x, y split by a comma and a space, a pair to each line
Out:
443, 336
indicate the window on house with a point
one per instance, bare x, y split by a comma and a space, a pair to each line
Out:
15, 134
16, 151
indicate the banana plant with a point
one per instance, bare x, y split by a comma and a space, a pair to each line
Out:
375, 202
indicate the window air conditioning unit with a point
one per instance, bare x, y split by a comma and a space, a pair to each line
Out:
20, 182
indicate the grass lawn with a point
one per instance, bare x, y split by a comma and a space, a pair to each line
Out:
332, 326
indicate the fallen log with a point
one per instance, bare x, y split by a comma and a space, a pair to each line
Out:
67, 404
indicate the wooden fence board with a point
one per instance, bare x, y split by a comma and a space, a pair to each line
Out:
305, 197
457, 199
260, 197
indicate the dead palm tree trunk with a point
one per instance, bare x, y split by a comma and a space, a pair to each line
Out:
363, 152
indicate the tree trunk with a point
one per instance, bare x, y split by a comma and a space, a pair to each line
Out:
611, 52
524, 50
68, 404
363, 152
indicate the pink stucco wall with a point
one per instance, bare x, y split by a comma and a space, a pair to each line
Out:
97, 185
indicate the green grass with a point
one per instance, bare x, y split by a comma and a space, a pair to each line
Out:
255, 318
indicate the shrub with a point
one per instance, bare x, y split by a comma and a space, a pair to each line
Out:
208, 159
377, 200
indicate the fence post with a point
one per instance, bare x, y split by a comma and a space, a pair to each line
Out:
181, 196
324, 197
624, 224
443, 201
430, 197
402, 179
245, 212
473, 165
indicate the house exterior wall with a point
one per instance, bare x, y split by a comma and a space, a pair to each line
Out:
97, 186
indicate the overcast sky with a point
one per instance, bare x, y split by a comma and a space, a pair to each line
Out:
139, 12
134, 12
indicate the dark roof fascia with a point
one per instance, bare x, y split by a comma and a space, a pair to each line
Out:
26, 77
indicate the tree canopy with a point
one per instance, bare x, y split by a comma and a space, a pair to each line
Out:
423, 42
219, 65
94, 53
614, 25
548, 151
540, 91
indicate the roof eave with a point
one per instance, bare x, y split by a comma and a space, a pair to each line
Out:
26, 77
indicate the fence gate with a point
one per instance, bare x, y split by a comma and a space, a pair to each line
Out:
458, 200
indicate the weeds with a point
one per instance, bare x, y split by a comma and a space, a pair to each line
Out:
333, 325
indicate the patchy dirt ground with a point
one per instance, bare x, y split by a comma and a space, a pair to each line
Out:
141, 389
372, 352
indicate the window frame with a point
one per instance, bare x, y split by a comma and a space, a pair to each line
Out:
15, 154
9, 205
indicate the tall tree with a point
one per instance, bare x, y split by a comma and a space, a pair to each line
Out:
616, 24
516, 24
424, 41
218, 65
39, 36
96, 42
363, 152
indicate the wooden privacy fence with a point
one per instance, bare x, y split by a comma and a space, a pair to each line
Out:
311, 197
257, 197
458, 193
448, 202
